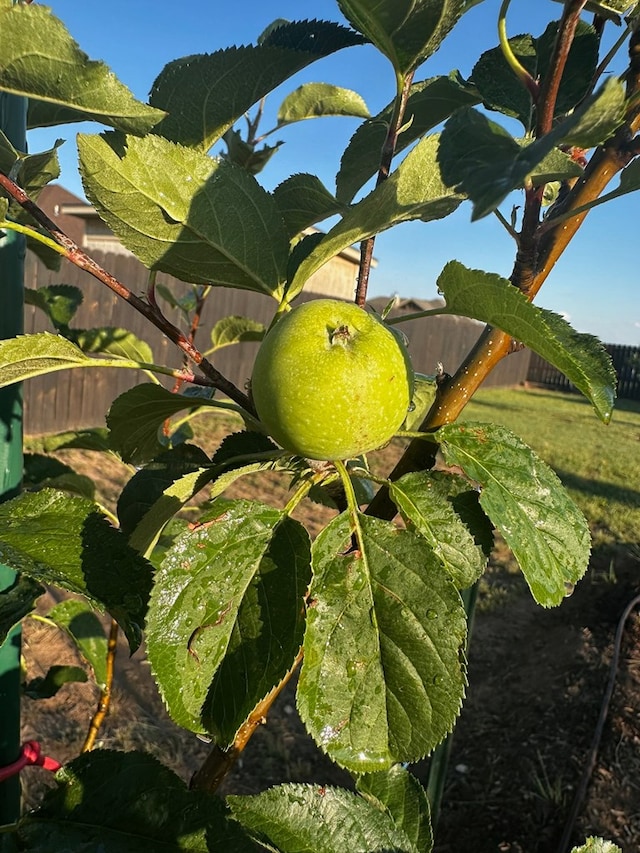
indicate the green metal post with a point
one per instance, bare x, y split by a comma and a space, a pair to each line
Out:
13, 112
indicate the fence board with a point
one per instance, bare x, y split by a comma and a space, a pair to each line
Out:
80, 398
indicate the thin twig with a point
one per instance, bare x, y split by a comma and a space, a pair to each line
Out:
106, 692
386, 158
79, 258
220, 761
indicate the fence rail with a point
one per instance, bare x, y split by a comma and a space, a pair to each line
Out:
80, 398
626, 361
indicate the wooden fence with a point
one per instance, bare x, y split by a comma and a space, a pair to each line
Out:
79, 398
626, 361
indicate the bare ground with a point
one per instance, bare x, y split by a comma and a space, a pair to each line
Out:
536, 682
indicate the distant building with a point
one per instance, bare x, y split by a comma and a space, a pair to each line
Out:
81, 222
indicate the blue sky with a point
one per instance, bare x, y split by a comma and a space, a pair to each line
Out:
595, 285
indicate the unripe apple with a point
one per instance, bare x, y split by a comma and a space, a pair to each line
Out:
331, 381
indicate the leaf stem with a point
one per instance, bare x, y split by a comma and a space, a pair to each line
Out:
79, 258
105, 694
511, 59
386, 158
220, 761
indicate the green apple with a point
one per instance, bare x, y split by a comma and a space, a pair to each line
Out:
331, 381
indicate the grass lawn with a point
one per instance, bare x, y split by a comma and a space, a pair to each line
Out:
599, 465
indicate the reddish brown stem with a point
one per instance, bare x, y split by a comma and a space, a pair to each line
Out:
76, 256
105, 695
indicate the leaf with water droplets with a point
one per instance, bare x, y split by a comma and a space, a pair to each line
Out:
526, 501
382, 679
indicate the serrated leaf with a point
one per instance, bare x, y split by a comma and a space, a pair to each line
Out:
150, 483
234, 330
245, 154
125, 803
501, 90
494, 300
303, 201
16, 602
80, 622
45, 687
136, 416
63, 540
182, 212
26, 356
430, 102
313, 100
300, 818
58, 301
445, 511
400, 794
526, 501
39, 59
204, 95
382, 680
609, 9
186, 302
479, 157
226, 615
111, 340
406, 31
414, 191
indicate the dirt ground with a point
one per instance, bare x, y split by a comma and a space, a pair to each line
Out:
536, 684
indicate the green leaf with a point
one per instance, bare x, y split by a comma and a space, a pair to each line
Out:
80, 622
312, 819
479, 157
400, 794
494, 300
234, 330
430, 102
204, 95
597, 845
39, 59
184, 213
303, 201
406, 31
445, 511
45, 687
112, 341
226, 615
63, 540
46, 472
186, 302
135, 418
31, 171
58, 301
501, 90
313, 100
95, 438
526, 501
26, 356
424, 393
247, 155
126, 803
16, 602
382, 680
148, 485
414, 191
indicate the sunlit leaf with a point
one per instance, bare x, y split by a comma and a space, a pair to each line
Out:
528, 504
46, 686
312, 100
80, 622
39, 59
234, 330
226, 615
303, 201
182, 212
494, 300
58, 301
381, 680
400, 794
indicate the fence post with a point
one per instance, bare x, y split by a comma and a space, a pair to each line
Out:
13, 112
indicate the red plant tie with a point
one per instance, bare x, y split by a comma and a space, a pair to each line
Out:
30, 755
